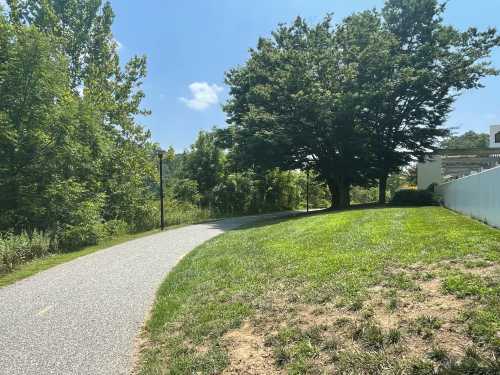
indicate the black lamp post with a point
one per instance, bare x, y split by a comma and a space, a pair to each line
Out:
307, 190
307, 166
162, 219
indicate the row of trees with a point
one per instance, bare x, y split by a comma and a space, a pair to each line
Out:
74, 162
352, 103
72, 155
206, 176
355, 101
467, 140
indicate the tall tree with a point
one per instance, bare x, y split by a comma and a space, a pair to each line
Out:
83, 26
357, 101
41, 144
295, 103
205, 163
72, 150
429, 65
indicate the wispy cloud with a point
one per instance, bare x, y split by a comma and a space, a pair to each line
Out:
203, 95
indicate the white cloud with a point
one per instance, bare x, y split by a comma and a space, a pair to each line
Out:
3, 4
204, 95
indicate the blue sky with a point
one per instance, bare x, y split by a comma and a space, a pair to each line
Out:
190, 44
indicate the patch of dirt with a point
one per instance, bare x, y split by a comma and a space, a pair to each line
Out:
247, 353
141, 344
335, 325
428, 301
473, 265
307, 316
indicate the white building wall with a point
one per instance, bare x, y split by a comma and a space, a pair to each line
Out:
429, 172
494, 129
476, 195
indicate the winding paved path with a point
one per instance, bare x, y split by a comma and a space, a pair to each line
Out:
82, 317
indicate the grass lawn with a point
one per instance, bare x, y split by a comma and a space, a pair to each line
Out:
41, 264
375, 291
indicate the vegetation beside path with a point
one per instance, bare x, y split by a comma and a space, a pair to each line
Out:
390, 290
35, 266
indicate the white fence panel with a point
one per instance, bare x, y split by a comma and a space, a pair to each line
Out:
477, 195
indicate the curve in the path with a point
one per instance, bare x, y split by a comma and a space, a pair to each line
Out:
81, 317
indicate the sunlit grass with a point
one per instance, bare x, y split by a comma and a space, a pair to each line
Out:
317, 260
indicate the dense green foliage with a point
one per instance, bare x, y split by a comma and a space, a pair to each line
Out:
17, 249
319, 291
74, 162
355, 101
413, 197
206, 176
467, 140
72, 156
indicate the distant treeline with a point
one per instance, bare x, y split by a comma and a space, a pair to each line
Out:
206, 176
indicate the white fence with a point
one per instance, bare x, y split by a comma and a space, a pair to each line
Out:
477, 195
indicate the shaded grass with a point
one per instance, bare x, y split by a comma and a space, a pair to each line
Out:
321, 259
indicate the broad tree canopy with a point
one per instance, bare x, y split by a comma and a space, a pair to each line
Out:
357, 100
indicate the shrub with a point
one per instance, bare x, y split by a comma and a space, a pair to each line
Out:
184, 213
78, 236
186, 190
144, 217
115, 228
410, 197
20, 248
41, 245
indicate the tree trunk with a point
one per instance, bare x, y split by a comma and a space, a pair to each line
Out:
341, 194
382, 189
332, 195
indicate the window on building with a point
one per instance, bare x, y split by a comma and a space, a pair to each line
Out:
497, 137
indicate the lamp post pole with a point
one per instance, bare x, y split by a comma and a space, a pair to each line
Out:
307, 190
162, 219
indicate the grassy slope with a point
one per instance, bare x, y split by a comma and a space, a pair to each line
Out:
327, 262
41, 264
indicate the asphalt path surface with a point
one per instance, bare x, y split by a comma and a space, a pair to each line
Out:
82, 317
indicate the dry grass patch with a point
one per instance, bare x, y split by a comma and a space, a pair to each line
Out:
248, 353
423, 330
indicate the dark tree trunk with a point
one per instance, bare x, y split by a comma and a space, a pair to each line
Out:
341, 194
382, 189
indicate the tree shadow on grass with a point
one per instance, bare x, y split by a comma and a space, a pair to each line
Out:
297, 215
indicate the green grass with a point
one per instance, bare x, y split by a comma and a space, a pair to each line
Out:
264, 273
41, 264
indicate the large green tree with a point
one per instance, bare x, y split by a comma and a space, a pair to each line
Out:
356, 101
72, 152
294, 103
40, 134
204, 163
423, 65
